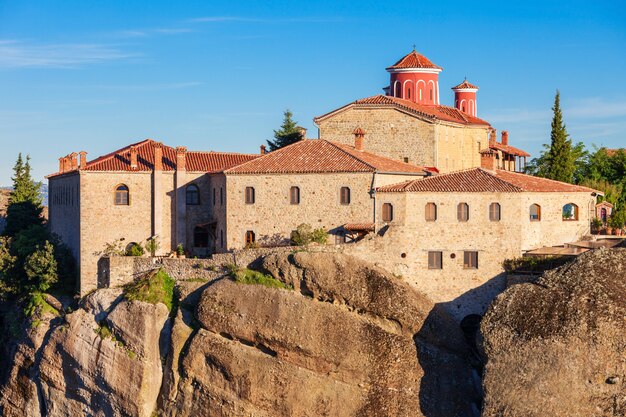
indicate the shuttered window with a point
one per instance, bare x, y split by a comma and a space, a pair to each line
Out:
470, 260
494, 212
249, 195
193, 195
294, 195
535, 213
387, 212
462, 212
122, 195
431, 212
250, 237
435, 260
345, 195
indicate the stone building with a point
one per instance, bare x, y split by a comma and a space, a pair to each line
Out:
137, 192
449, 234
409, 124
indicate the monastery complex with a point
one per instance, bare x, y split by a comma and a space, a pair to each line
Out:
424, 190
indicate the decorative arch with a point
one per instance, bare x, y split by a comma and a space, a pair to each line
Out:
431, 91
420, 87
462, 105
407, 90
396, 89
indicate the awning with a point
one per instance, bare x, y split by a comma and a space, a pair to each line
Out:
359, 227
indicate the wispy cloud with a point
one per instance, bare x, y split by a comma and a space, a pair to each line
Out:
217, 19
144, 33
145, 87
596, 108
20, 54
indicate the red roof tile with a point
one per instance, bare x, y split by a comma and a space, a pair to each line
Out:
464, 84
119, 160
508, 149
479, 180
318, 155
432, 112
413, 60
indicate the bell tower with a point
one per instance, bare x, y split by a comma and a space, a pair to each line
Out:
415, 78
465, 98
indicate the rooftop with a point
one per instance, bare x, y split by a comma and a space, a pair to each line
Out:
319, 155
511, 150
413, 60
479, 180
463, 85
431, 112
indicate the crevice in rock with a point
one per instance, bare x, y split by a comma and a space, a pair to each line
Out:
35, 371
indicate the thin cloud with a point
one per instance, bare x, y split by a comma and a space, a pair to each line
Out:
19, 54
144, 33
596, 108
217, 19
146, 87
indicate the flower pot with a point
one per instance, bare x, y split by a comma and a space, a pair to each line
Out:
181, 256
618, 232
609, 230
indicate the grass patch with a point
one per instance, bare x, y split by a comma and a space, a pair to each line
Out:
250, 277
36, 305
154, 288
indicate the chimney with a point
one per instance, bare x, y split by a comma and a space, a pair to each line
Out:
66, 163
505, 137
492, 136
263, 150
133, 157
83, 159
73, 161
488, 159
302, 132
61, 164
158, 156
181, 158
358, 138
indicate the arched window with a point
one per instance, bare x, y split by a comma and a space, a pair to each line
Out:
344, 195
122, 195
387, 212
409, 93
431, 212
535, 213
494, 212
249, 195
250, 237
294, 195
603, 214
462, 212
200, 237
570, 212
193, 195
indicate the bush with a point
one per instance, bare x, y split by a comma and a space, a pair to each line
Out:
617, 219
41, 268
305, 234
248, 276
152, 245
533, 263
180, 250
154, 288
134, 249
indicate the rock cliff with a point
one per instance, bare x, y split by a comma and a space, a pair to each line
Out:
347, 340
557, 347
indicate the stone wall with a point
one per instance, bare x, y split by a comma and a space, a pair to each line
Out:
458, 146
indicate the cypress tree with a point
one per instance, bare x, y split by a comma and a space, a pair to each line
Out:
24, 207
560, 158
288, 133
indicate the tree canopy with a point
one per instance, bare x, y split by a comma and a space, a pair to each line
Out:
288, 133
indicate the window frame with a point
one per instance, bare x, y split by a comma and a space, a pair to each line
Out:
250, 237
492, 218
459, 213
387, 212
118, 191
575, 213
197, 231
250, 197
530, 213
345, 196
191, 190
470, 259
435, 260
427, 212
294, 195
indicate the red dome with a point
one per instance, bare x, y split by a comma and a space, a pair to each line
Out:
413, 60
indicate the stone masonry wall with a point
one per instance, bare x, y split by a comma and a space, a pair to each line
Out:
458, 146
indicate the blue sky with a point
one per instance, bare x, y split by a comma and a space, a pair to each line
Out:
96, 76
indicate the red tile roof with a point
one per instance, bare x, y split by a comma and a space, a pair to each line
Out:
413, 60
479, 180
464, 84
508, 149
318, 155
432, 112
119, 160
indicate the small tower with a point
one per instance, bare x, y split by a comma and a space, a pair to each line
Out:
414, 78
465, 98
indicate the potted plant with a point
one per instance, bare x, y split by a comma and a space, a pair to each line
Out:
614, 223
180, 251
596, 226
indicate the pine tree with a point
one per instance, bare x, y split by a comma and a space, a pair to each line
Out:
560, 158
288, 133
24, 207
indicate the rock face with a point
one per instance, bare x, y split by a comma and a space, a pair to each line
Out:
557, 347
348, 340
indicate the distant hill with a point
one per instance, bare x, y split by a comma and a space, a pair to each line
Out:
44, 194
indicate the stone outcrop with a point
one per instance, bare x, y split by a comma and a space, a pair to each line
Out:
557, 347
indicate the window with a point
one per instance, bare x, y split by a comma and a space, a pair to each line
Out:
409, 93
193, 195
494, 212
121, 195
340, 238
249, 195
431, 212
535, 213
294, 195
406, 159
387, 212
470, 260
431, 94
200, 237
250, 237
435, 260
214, 196
462, 212
570, 212
345, 195
222, 196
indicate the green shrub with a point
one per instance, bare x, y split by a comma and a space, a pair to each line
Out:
248, 276
153, 245
36, 305
180, 250
533, 263
41, 268
155, 288
134, 249
305, 234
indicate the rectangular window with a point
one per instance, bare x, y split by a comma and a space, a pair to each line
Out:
387, 212
294, 195
435, 260
214, 197
470, 260
221, 196
462, 212
250, 237
345, 195
249, 195
406, 159
431, 212
494, 212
